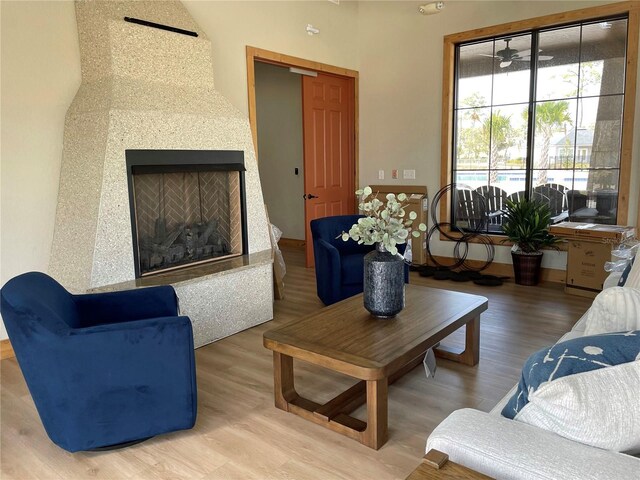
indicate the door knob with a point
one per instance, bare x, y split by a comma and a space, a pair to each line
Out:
309, 196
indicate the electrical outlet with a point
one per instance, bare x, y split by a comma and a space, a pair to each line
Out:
394, 174
380, 174
409, 174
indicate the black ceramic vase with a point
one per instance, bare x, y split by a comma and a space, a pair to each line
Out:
383, 282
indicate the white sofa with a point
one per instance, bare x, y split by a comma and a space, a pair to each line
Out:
508, 449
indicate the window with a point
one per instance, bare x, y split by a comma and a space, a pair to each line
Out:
538, 113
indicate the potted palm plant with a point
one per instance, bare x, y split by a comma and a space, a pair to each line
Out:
526, 224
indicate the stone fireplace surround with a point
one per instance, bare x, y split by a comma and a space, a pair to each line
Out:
145, 88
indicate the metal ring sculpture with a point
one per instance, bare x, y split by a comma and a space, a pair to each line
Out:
477, 224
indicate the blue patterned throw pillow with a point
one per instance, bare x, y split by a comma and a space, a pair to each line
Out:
585, 389
572, 357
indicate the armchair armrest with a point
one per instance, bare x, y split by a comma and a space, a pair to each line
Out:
153, 349
124, 306
130, 374
507, 449
328, 272
330, 252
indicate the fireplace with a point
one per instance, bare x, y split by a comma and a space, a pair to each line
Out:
187, 207
147, 114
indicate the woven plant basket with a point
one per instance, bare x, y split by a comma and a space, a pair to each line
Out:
526, 267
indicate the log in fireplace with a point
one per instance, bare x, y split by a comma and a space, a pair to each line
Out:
187, 207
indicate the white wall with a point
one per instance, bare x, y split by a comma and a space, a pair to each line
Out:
278, 26
40, 75
400, 66
279, 123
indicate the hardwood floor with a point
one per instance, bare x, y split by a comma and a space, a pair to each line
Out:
239, 433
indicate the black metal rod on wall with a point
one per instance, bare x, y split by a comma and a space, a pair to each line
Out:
168, 28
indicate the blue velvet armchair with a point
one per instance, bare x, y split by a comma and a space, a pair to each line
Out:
339, 264
103, 369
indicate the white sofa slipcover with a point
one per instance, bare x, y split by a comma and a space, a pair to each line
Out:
507, 449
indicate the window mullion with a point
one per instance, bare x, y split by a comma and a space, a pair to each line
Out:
578, 99
454, 137
531, 117
493, 77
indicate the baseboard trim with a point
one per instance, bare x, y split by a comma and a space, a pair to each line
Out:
506, 269
581, 292
291, 242
6, 350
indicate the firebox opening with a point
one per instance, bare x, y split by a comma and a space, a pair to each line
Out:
187, 207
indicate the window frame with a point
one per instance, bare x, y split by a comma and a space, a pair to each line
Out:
631, 9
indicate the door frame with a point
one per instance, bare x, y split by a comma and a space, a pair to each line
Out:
255, 54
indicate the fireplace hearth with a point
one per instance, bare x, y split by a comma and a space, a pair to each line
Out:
187, 207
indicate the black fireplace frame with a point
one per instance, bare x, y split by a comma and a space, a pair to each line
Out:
173, 161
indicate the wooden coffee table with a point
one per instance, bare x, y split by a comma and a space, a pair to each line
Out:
345, 338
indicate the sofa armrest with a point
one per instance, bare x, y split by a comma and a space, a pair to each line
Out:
507, 449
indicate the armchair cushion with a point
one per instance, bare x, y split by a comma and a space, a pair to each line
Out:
330, 228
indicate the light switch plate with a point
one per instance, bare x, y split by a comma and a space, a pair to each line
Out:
380, 174
409, 174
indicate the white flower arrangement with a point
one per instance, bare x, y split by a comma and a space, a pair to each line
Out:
383, 225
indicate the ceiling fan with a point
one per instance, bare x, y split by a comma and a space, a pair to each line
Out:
508, 55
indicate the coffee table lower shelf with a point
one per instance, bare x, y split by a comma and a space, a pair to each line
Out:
334, 414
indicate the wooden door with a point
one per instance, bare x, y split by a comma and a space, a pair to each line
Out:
329, 166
